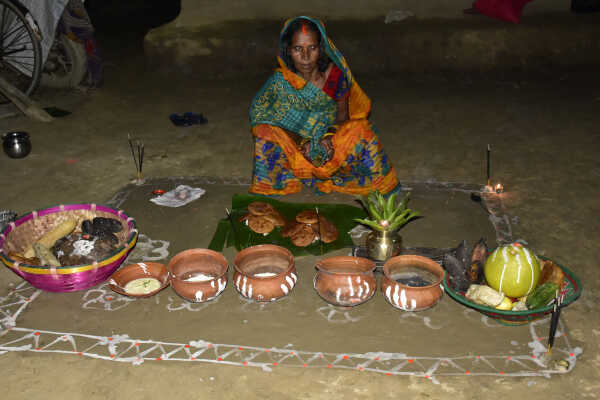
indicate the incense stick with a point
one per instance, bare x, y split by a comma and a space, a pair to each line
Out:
488, 164
558, 300
138, 148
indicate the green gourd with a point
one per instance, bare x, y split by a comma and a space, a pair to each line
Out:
541, 296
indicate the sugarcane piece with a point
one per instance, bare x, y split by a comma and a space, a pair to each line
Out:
49, 238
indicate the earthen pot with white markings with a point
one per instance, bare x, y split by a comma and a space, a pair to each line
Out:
412, 283
198, 275
264, 272
345, 280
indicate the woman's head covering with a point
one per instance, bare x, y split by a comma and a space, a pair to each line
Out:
332, 52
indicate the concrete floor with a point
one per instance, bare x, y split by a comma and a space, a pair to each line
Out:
544, 138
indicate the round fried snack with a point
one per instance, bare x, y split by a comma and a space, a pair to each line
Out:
290, 228
260, 224
329, 232
260, 208
304, 236
275, 217
307, 216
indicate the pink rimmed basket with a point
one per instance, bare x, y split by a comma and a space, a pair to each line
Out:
28, 228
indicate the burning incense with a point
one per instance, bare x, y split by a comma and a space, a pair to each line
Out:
137, 147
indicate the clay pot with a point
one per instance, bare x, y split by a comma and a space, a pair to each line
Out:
345, 281
128, 273
410, 297
198, 275
264, 273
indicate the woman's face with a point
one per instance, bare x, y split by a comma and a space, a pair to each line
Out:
305, 50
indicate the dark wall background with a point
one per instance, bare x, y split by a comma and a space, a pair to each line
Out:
131, 15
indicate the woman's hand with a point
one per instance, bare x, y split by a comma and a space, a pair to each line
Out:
305, 149
327, 144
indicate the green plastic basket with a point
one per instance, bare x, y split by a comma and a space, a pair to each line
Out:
571, 288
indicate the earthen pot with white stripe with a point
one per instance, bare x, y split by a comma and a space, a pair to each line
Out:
345, 281
264, 272
198, 275
409, 297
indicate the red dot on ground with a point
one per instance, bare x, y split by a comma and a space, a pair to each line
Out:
508, 358
292, 353
467, 372
37, 334
410, 360
187, 346
427, 376
79, 353
388, 373
137, 344
345, 357
360, 368
37, 348
501, 372
27, 299
245, 363
193, 358
328, 365
304, 365
219, 359
275, 364
109, 298
478, 357
112, 356
377, 358
267, 350
158, 358
240, 348
533, 356
209, 345
572, 354
110, 338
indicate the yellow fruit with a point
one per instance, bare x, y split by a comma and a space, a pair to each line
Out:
513, 270
506, 304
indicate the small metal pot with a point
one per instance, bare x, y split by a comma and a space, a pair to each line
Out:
382, 245
16, 144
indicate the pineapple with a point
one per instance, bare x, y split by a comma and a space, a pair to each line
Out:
386, 215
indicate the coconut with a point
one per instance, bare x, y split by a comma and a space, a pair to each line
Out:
513, 270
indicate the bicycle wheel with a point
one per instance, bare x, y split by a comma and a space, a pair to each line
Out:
20, 50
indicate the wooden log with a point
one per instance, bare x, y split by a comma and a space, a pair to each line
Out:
24, 103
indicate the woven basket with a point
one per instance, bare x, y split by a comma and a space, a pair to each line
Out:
30, 227
571, 288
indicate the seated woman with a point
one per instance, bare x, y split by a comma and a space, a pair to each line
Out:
309, 122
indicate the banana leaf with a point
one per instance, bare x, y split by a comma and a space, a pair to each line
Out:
232, 232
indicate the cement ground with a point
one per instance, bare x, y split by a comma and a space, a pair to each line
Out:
545, 140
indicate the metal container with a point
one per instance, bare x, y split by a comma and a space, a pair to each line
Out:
382, 245
16, 144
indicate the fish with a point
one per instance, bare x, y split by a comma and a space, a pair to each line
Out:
478, 258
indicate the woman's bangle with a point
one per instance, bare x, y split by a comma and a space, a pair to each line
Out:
328, 134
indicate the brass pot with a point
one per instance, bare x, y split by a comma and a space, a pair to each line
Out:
382, 245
